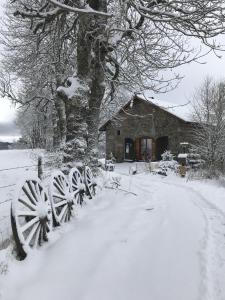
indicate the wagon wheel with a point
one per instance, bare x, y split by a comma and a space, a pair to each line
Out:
89, 182
77, 185
62, 198
31, 216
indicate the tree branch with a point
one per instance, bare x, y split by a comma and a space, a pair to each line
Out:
87, 10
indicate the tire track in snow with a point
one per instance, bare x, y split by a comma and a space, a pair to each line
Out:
213, 252
178, 234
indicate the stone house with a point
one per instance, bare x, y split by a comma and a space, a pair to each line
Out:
144, 128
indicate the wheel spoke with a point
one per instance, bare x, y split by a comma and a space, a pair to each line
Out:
28, 213
48, 229
32, 233
37, 235
79, 199
74, 182
57, 186
39, 192
63, 183
33, 191
29, 224
63, 197
65, 216
62, 212
27, 204
59, 180
29, 195
61, 203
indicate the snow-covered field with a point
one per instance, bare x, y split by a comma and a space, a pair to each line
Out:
164, 239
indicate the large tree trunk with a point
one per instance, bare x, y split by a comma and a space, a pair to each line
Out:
76, 139
55, 129
97, 91
97, 86
83, 108
60, 130
76, 106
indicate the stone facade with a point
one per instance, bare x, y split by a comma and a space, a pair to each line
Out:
141, 119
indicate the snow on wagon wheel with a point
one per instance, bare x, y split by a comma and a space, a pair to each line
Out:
31, 216
89, 181
77, 185
62, 198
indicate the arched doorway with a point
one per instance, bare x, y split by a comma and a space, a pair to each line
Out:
129, 149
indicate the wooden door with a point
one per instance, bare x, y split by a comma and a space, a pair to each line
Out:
129, 149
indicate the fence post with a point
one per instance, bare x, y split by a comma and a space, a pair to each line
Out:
40, 167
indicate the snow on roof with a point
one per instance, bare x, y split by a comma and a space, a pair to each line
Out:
182, 111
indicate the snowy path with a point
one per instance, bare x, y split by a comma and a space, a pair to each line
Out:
159, 245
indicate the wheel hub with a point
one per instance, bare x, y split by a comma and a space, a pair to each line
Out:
70, 197
81, 186
43, 211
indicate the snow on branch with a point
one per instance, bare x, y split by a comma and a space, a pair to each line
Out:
205, 20
57, 10
86, 10
37, 14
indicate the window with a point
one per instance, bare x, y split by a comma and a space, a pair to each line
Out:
118, 132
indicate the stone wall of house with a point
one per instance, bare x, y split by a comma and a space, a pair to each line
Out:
145, 120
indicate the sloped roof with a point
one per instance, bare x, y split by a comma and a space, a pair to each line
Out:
181, 111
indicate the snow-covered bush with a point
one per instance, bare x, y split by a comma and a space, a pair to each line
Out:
168, 162
167, 156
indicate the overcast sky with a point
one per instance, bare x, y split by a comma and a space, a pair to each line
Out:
194, 74
8, 129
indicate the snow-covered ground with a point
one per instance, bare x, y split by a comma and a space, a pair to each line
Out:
157, 238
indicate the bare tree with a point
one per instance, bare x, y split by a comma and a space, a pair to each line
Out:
209, 114
118, 43
41, 62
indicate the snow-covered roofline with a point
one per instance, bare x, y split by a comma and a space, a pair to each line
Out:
182, 111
